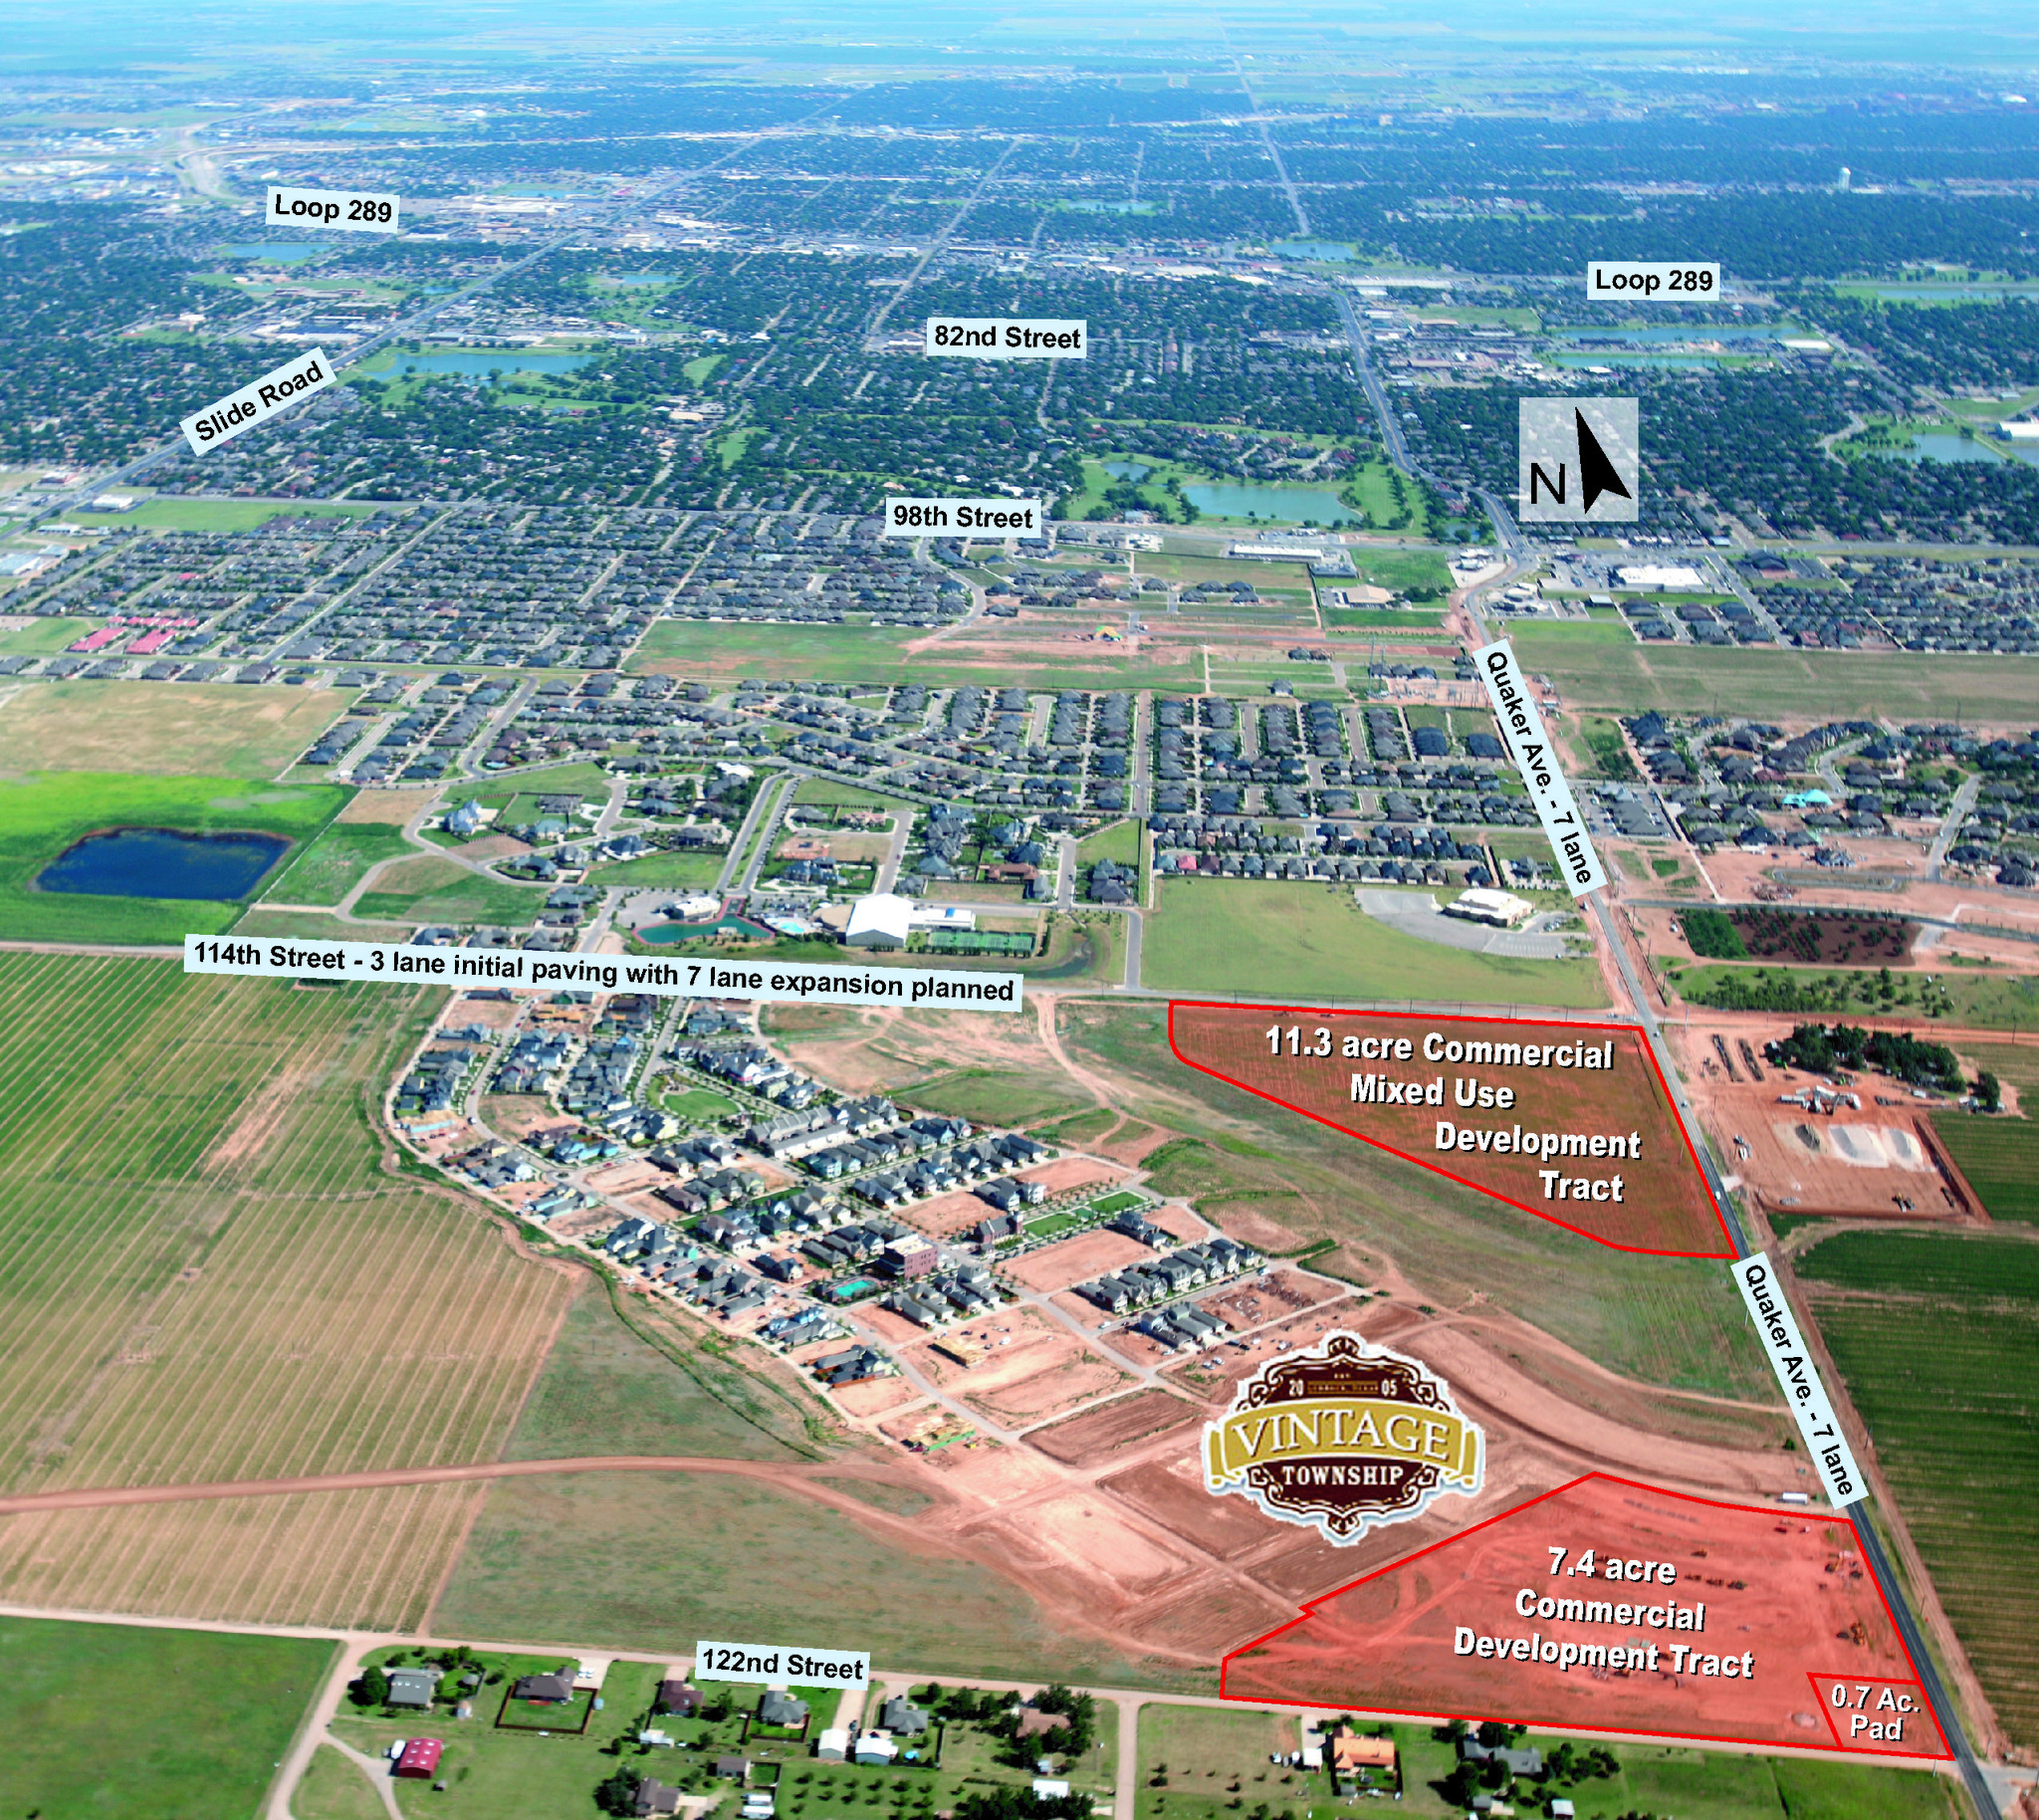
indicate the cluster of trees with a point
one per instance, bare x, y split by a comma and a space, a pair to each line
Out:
1821, 1048
1712, 934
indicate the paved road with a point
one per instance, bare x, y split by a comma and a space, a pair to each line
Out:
1943, 1708
1964, 801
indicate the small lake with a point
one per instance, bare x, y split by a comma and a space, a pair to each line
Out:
1127, 470
277, 252
1942, 294
1951, 445
479, 362
1272, 505
160, 862
1316, 249
644, 277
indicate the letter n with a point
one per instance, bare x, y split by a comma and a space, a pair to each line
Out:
1538, 472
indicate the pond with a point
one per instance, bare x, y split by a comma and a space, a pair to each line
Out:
1272, 505
160, 862
1951, 445
644, 277
1126, 470
479, 362
278, 252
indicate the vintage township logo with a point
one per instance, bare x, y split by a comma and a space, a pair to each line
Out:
1345, 1436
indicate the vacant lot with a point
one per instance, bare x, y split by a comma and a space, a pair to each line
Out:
427, 890
1028, 657
1937, 1337
1590, 669
218, 1282
42, 815
217, 728
1213, 937
327, 870
202, 1718
1996, 1155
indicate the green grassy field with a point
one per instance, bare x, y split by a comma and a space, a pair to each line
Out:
333, 1788
213, 1271
827, 793
43, 638
169, 514
1121, 842
1937, 1337
202, 1718
427, 890
1271, 940
989, 1095
600, 1556
43, 814
698, 870
698, 1103
331, 866
1593, 669
1996, 1155
846, 653
311, 926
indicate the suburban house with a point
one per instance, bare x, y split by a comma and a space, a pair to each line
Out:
655, 1797
1350, 1751
1033, 1722
875, 1748
900, 1715
779, 1707
412, 1687
1523, 1763
419, 1757
555, 1688
738, 1769
679, 1697
834, 1744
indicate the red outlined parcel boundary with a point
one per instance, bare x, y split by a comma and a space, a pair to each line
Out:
1570, 1121
1611, 1605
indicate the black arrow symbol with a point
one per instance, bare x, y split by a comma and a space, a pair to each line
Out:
1597, 472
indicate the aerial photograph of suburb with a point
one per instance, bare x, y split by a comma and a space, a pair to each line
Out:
1062, 912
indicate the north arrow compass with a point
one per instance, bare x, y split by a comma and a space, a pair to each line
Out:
1579, 459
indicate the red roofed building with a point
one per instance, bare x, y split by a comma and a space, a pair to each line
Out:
420, 1757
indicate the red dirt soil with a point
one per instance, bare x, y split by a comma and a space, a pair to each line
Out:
1787, 1587
1664, 1210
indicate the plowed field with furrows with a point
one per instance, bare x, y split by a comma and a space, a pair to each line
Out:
208, 1275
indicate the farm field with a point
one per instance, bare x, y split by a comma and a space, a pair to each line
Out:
1937, 1337
217, 729
327, 870
234, 1309
1996, 1155
177, 1755
1620, 676
599, 1556
1213, 937
43, 814
1286, 1181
